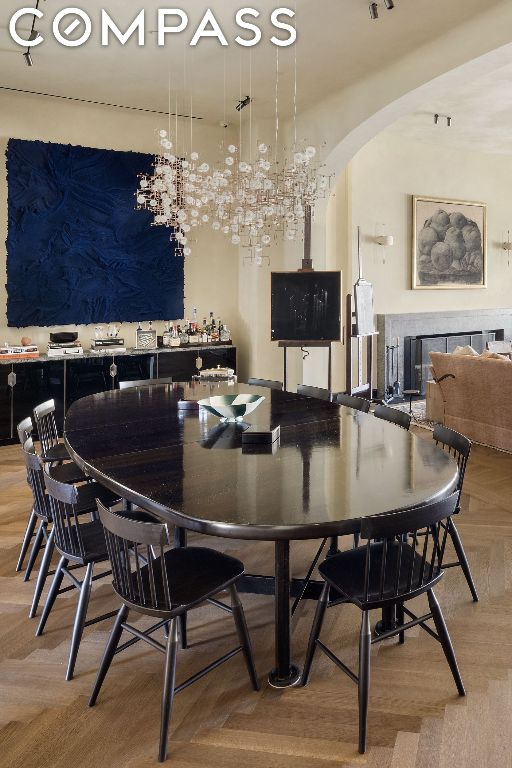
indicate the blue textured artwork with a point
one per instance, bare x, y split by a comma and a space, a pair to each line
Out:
77, 250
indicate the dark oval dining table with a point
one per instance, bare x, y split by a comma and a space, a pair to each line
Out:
328, 468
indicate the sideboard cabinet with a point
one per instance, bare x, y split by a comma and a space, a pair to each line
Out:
25, 384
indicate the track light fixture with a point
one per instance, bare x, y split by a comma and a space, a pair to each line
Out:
243, 103
32, 36
448, 119
374, 8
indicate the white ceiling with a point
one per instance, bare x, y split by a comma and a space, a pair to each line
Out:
338, 44
481, 112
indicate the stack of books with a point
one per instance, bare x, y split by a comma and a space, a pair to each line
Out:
111, 345
9, 352
61, 350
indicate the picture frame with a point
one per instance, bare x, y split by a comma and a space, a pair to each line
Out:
449, 244
145, 339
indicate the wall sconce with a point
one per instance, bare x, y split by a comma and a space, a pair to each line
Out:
386, 241
507, 246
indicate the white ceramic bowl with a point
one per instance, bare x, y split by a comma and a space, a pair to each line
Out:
231, 407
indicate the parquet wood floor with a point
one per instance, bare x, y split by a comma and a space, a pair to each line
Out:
416, 718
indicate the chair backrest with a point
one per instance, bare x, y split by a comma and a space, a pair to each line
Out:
350, 401
457, 446
267, 383
35, 479
143, 383
393, 415
147, 586
413, 544
66, 521
318, 392
25, 429
44, 416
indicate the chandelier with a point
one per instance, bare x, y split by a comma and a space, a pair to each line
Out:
252, 201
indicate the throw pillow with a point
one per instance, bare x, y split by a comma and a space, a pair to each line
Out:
467, 350
493, 356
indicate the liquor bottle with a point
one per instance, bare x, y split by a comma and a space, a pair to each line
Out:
183, 335
194, 337
167, 336
204, 332
175, 338
225, 334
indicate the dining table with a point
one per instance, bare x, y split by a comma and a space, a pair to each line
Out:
296, 468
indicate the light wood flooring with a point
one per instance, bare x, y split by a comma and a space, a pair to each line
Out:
416, 718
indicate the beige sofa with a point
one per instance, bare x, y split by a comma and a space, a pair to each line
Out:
477, 402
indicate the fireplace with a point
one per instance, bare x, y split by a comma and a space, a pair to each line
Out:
417, 352
419, 333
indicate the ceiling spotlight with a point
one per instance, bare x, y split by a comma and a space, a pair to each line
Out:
389, 4
449, 122
374, 11
436, 119
243, 103
28, 59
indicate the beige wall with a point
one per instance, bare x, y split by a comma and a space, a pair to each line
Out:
211, 272
385, 175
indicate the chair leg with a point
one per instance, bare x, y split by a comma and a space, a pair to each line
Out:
182, 621
243, 636
168, 691
36, 546
315, 634
29, 532
400, 619
78, 626
108, 655
333, 547
365, 646
43, 573
180, 540
446, 642
461, 556
52, 594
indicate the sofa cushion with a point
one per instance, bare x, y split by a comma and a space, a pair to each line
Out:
486, 354
467, 350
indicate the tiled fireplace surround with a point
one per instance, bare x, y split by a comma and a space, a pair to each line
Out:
391, 327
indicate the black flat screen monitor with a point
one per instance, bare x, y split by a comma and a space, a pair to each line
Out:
306, 306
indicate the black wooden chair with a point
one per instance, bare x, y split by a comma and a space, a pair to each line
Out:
393, 415
41, 509
143, 383
350, 401
53, 452
80, 543
86, 505
385, 573
171, 583
267, 383
459, 447
318, 392
25, 429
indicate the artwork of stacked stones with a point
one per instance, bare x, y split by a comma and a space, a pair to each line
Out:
450, 248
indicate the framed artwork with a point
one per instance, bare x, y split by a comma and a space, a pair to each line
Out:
449, 244
145, 339
77, 250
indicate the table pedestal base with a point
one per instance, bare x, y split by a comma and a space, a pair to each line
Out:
388, 621
287, 682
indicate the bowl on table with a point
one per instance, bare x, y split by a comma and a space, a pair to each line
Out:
231, 408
